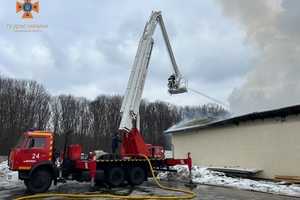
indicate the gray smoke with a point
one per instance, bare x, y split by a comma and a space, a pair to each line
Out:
273, 28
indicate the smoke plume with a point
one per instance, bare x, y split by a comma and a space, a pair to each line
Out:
272, 27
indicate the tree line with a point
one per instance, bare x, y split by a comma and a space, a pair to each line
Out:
26, 104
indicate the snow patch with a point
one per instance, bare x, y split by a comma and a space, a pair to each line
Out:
8, 179
202, 175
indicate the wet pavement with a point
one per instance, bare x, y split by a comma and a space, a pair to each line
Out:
203, 192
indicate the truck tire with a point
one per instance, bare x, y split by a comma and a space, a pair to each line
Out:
39, 181
136, 176
115, 176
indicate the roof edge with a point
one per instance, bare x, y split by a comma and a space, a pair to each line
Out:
280, 112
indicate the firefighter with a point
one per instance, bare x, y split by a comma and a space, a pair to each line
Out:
171, 81
115, 143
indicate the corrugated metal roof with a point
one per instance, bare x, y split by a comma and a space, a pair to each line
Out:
281, 112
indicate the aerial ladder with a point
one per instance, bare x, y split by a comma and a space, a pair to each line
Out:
133, 142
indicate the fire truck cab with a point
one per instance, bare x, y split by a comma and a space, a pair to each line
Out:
33, 159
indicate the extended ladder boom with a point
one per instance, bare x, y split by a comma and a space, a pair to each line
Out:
168, 45
135, 87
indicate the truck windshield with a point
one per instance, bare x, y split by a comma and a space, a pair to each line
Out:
37, 142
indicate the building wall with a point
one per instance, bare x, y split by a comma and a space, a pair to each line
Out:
272, 145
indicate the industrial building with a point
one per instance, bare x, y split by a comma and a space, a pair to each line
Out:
268, 141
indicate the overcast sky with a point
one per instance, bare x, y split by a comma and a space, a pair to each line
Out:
89, 46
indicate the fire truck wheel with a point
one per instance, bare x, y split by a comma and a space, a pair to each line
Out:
115, 176
136, 176
39, 182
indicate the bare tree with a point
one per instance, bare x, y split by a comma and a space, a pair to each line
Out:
23, 105
26, 104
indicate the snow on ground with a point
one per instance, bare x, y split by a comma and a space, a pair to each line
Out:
8, 179
204, 176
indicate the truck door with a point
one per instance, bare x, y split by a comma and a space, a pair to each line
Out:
37, 150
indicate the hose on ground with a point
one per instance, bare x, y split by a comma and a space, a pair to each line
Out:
188, 194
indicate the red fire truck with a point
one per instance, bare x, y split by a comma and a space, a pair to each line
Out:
34, 158
39, 163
